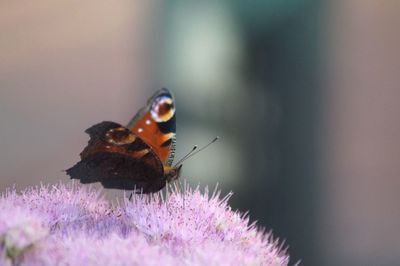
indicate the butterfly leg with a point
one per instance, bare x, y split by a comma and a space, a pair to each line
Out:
130, 197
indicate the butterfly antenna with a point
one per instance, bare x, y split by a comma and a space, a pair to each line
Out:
192, 153
186, 156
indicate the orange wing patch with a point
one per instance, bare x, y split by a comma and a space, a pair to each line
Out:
147, 129
155, 124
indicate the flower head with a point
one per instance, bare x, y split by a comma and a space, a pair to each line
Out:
72, 224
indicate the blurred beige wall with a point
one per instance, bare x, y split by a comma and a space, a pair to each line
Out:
65, 65
362, 217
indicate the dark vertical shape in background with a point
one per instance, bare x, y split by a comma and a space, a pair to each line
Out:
271, 116
283, 59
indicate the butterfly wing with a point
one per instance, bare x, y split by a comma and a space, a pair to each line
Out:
155, 124
118, 159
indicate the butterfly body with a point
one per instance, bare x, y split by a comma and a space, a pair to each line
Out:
136, 157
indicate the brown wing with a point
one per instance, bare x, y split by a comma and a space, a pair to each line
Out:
118, 159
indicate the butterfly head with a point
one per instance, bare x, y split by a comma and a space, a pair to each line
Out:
173, 173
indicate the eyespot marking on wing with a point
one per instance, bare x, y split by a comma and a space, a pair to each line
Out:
162, 109
120, 136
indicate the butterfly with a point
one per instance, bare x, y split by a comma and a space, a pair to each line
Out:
137, 156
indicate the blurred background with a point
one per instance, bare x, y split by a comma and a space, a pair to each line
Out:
304, 95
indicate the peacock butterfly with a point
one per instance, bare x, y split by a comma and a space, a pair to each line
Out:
136, 157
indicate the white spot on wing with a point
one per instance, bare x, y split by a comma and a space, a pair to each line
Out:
140, 130
148, 122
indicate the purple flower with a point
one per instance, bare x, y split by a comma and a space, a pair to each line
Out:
73, 225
